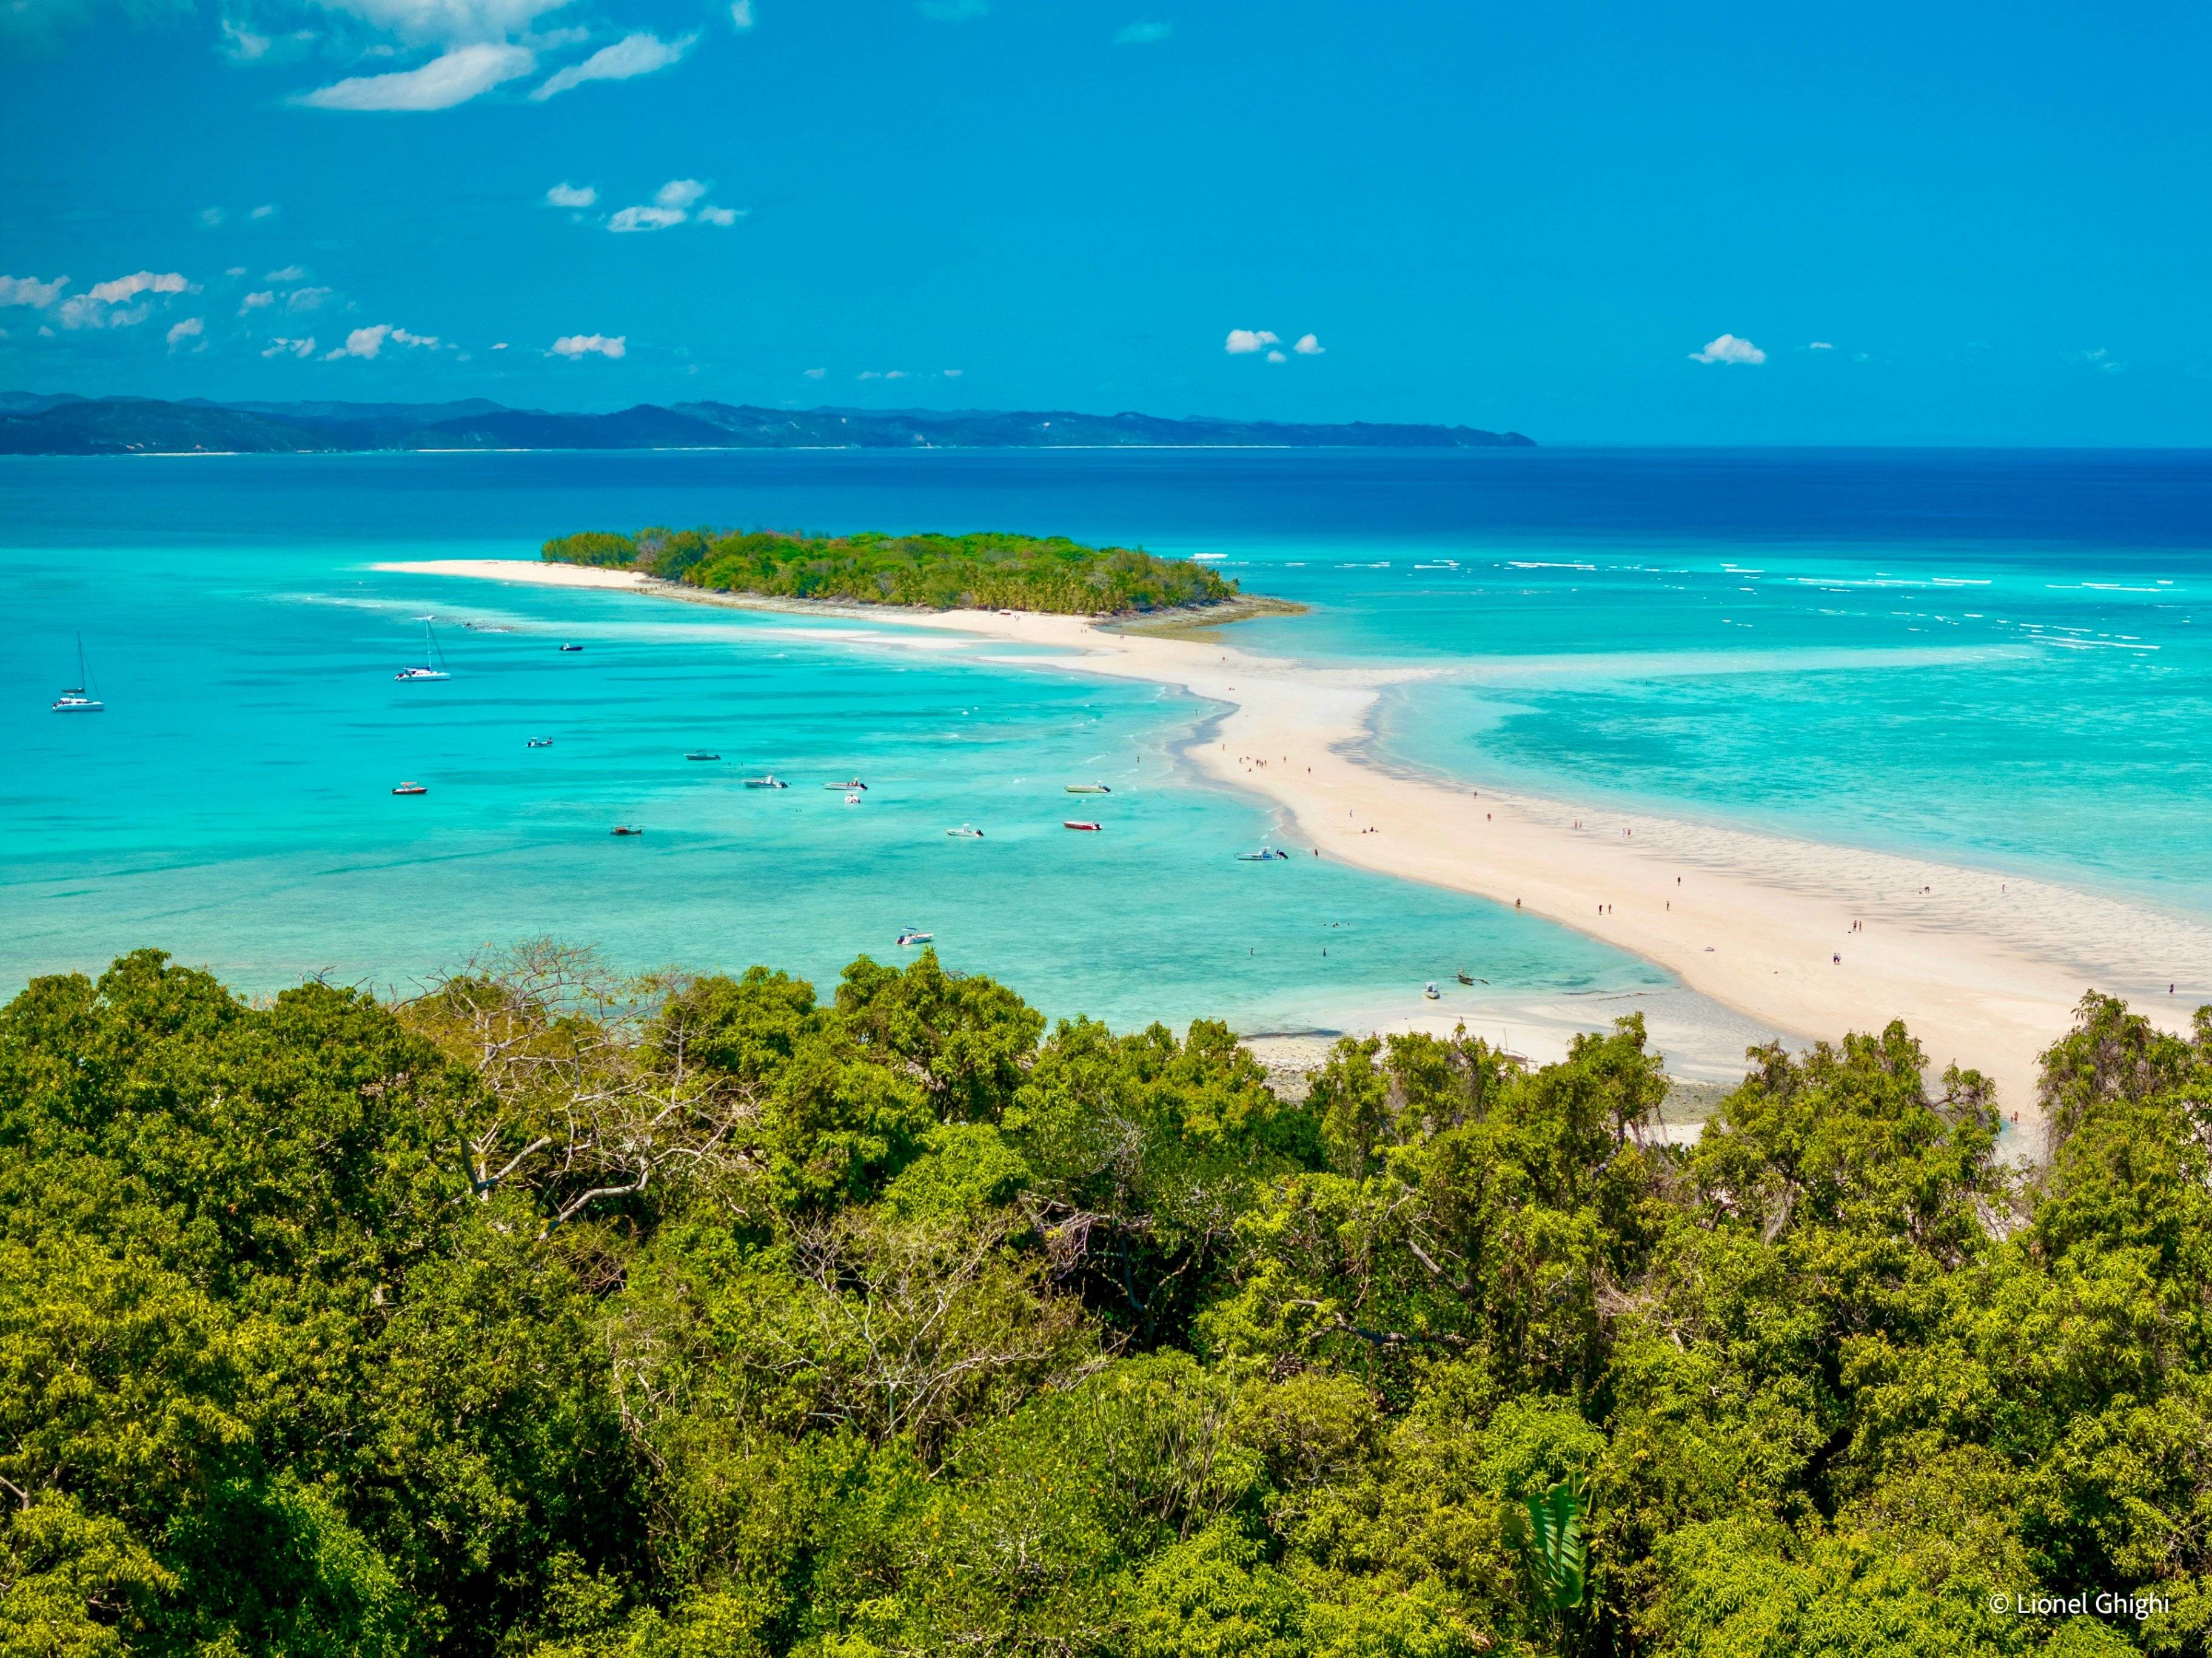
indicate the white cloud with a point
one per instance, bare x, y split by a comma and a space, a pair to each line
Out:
184, 330
1730, 350
212, 217
576, 347
96, 307
29, 290
1819, 345
290, 273
816, 374
1242, 341
283, 348
2100, 360
1307, 346
953, 374
896, 374
306, 299
448, 23
1142, 34
871, 374
141, 281
565, 194
631, 56
501, 346
1277, 357
259, 301
371, 341
678, 193
235, 270
647, 218
741, 14
266, 210
725, 216
954, 11
241, 45
454, 78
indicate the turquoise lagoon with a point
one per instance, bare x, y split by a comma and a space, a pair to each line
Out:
1999, 658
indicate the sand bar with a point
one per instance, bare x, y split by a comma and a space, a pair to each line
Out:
1985, 968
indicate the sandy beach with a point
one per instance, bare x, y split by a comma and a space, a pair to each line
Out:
1985, 968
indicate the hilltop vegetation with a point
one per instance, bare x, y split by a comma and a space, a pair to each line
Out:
555, 1316
937, 571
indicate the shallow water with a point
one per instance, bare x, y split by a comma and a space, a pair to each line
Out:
1992, 658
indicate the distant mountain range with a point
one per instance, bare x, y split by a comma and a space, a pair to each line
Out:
32, 423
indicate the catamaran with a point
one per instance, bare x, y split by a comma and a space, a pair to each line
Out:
77, 699
433, 662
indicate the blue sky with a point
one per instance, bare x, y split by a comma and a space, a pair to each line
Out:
1624, 222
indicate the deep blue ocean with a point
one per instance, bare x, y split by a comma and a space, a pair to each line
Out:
2002, 658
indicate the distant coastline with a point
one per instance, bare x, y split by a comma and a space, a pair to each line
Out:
33, 423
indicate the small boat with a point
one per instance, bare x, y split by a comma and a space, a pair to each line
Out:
966, 832
914, 936
1469, 979
1265, 855
75, 698
849, 783
1430, 991
853, 799
1081, 823
410, 788
624, 829
769, 781
572, 647
433, 663
1088, 788
541, 742
701, 754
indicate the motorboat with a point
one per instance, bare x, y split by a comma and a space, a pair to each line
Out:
77, 699
541, 742
770, 781
1430, 991
966, 832
432, 665
411, 788
1265, 855
852, 798
915, 935
572, 647
1088, 788
1469, 979
1085, 824
701, 754
624, 829
849, 783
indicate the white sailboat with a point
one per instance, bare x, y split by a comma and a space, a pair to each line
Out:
77, 699
433, 660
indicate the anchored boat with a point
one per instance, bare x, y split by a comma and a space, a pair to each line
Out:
966, 832
769, 781
1265, 855
1081, 823
1088, 788
410, 788
77, 699
433, 660
914, 936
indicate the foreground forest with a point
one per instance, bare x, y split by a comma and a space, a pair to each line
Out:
551, 1315
983, 571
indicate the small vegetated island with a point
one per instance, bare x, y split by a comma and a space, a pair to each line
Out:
989, 571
